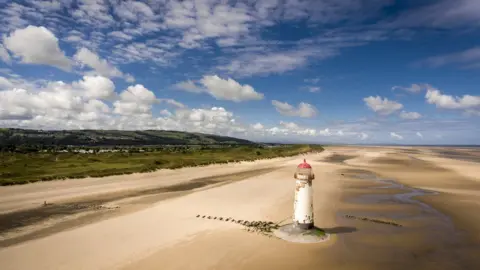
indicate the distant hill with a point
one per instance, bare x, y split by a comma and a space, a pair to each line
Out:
13, 136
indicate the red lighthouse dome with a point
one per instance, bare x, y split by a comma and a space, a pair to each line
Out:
304, 165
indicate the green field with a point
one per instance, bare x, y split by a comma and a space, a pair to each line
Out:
22, 168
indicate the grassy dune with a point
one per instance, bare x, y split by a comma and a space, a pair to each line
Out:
18, 168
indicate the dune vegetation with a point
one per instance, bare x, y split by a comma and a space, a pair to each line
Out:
28, 167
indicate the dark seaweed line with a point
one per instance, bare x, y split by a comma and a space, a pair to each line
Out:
374, 220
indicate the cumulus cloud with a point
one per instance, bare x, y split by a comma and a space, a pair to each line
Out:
86, 103
100, 66
382, 106
410, 115
229, 89
221, 89
414, 88
305, 110
96, 87
258, 126
434, 96
396, 136
55, 101
289, 125
37, 45
290, 128
135, 100
83, 104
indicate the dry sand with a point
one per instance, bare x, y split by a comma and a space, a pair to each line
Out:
159, 230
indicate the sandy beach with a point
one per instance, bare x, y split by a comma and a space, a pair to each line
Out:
149, 221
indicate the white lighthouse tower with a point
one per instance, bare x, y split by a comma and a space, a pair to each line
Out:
303, 204
302, 229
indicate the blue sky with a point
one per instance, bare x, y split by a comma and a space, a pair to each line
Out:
324, 71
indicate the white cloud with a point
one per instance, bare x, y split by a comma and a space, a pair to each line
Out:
275, 130
56, 101
166, 113
470, 57
133, 10
4, 55
80, 104
290, 128
289, 125
215, 114
363, 136
5, 83
48, 5
158, 51
382, 106
312, 80
37, 45
202, 20
419, 135
172, 102
414, 88
314, 89
120, 35
441, 14
93, 13
471, 104
325, 132
410, 115
396, 136
258, 126
188, 86
303, 110
229, 89
101, 66
97, 87
135, 100
58, 105
221, 89
273, 62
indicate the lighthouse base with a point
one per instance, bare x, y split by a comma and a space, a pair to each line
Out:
293, 233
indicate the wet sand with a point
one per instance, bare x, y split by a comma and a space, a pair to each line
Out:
434, 200
24, 225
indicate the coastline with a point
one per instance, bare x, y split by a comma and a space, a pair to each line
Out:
439, 235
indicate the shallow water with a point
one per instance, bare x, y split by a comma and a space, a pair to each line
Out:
428, 237
407, 197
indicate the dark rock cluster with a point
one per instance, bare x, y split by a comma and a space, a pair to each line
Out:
262, 227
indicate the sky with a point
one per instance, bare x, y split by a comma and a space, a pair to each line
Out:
304, 71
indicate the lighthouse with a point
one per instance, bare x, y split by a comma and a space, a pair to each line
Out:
303, 204
302, 229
